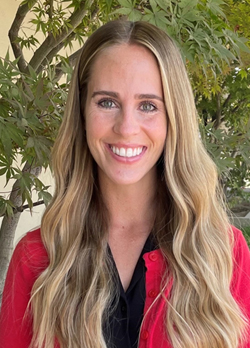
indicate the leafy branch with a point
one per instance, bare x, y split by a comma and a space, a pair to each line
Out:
22, 11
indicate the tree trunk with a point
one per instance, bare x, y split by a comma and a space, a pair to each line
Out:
52, 42
8, 228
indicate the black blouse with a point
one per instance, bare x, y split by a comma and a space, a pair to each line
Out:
122, 329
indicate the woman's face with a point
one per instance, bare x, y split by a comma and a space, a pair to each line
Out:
125, 114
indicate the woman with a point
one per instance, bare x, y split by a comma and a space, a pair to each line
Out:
135, 248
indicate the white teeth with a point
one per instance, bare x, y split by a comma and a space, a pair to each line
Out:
129, 152
122, 152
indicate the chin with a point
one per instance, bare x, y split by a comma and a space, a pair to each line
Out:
127, 180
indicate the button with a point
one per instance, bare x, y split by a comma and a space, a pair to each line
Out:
144, 335
152, 293
124, 308
153, 256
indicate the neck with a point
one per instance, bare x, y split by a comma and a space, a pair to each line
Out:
131, 207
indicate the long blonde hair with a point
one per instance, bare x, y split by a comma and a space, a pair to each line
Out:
71, 298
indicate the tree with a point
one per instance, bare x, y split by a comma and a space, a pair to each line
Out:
32, 96
223, 104
225, 119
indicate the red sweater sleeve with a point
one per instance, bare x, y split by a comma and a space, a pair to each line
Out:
240, 285
28, 261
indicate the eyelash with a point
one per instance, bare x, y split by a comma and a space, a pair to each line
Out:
100, 103
146, 102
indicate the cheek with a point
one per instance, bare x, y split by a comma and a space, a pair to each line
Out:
96, 133
91, 131
95, 129
91, 134
92, 125
158, 131
98, 125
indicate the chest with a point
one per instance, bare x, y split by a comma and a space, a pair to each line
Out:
141, 300
126, 253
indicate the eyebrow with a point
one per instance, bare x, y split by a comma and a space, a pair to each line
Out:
137, 96
109, 93
148, 96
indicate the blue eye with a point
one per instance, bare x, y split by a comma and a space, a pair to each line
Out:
107, 104
147, 107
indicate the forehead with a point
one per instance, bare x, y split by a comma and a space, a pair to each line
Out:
125, 62
125, 51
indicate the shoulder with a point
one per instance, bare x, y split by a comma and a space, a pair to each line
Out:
241, 256
30, 255
27, 263
241, 250
240, 283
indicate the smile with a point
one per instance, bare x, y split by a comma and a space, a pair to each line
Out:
128, 152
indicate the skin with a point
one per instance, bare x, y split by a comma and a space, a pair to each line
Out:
125, 113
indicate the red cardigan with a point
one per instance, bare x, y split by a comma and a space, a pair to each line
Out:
30, 259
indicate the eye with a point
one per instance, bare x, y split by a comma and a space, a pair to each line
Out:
107, 104
148, 107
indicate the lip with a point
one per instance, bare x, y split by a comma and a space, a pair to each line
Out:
126, 146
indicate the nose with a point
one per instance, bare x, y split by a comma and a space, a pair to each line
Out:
126, 123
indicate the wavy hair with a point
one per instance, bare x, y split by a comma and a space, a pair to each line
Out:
71, 298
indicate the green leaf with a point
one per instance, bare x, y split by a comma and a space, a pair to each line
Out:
9, 208
153, 5
122, 11
135, 15
2, 206
224, 52
109, 4
188, 3
30, 142
32, 72
24, 122
7, 56
27, 197
192, 16
3, 171
45, 196
29, 2
164, 4
215, 7
243, 74
6, 142
15, 134
126, 4
240, 42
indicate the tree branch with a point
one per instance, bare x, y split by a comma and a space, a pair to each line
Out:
53, 53
21, 208
14, 30
49, 57
26, 206
227, 100
72, 61
51, 8
72, 58
51, 42
218, 111
239, 104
